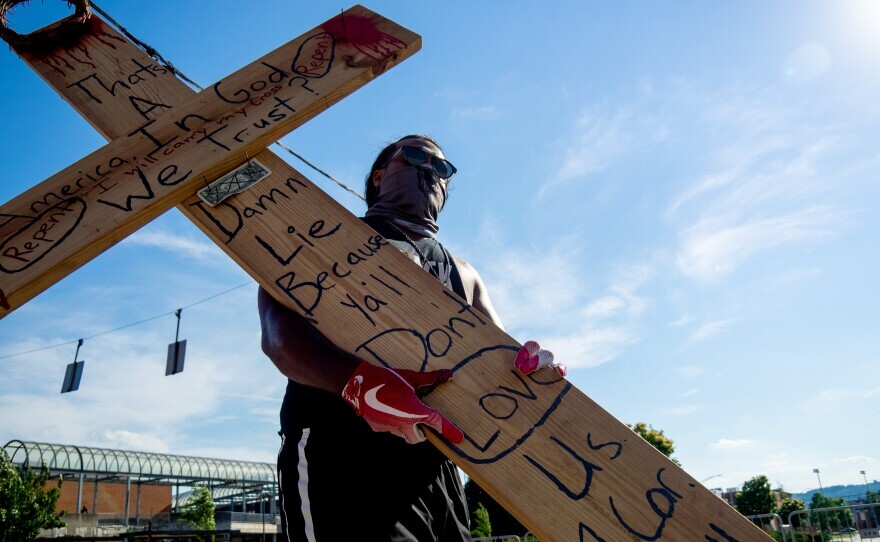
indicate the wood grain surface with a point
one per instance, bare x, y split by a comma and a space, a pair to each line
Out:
177, 143
561, 464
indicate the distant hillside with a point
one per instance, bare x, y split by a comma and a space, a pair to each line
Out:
848, 492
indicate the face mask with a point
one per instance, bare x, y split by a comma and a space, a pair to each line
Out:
411, 196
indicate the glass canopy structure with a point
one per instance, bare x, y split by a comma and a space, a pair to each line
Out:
230, 481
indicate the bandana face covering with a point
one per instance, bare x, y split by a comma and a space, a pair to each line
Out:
411, 197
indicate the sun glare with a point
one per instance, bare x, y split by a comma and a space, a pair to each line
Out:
863, 22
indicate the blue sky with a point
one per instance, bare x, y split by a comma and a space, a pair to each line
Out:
680, 200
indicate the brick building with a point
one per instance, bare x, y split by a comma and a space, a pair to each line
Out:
104, 488
149, 499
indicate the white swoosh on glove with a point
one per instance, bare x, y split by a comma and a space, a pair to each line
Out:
373, 402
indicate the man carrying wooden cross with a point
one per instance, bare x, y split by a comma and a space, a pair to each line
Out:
341, 475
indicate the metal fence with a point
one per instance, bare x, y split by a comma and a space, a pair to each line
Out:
851, 523
112, 524
246, 517
769, 523
528, 537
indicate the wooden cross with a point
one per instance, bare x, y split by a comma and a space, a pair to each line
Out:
555, 459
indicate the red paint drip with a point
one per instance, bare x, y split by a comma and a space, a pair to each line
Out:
57, 63
357, 29
362, 34
105, 37
62, 57
85, 58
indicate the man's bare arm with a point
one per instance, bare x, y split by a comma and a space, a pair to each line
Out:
299, 351
302, 354
483, 304
476, 291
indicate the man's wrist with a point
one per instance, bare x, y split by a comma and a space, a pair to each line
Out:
343, 373
351, 389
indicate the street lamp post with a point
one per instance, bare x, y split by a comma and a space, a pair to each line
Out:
821, 489
263, 513
704, 480
867, 490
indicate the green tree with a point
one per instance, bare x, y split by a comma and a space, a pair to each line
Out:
872, 497
482, 525
789, 506
755, 497
26, 506
198, 510
503, 522
656, 438
833, 520
799, 537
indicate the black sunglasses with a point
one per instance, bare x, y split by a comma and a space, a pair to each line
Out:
415, 156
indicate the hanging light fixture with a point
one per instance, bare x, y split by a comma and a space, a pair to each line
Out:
176, 351
74, 372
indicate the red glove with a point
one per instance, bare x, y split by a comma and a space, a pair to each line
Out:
530, 358
387, 400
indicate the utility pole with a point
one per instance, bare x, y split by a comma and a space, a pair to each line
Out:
821, 489
871, 507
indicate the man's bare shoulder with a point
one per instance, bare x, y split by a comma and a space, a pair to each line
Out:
476, 290
467, 271
461, 262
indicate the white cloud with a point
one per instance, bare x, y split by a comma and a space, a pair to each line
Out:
253, 397
734, 162
731, 444
710, 329
239, 453
548, 300
684, 320
590, 347
682, 410
691, 371
604, 307
184, 245
124, 396
759, 184
127, 440
486, 112
526, 295
782, 463
834, 397
126, 402
765, 186
713, 248
689, 393
607, 326
600, 136
857, 459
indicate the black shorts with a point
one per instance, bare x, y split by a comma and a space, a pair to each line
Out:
370, 486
